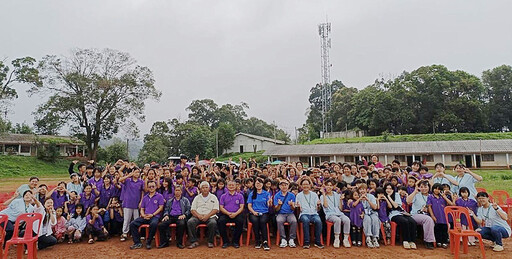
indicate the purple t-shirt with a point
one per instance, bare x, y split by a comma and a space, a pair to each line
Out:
190, 197
355, 214
132, 191
383, 212
410, 189
346, 208
87, 202
71, 208
471, 205
98, 183
98, 223
438, 205
105, 195
117, 216
220, 192
151, 204
58, 200
175, 208
166, 194
230, 202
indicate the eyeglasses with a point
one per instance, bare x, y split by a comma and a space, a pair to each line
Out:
152, 186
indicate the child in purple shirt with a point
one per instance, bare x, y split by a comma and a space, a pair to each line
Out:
356, 219
471, 205
95, 228
191, 190
436, 203
382, 206
88, 199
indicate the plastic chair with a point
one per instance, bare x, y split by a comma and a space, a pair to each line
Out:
457, 232
507, 207
174, 227
278, 237
27, 238
481, 190
393, 233
3, 225
157, 234
250, 233
300, 233
500, 196
228, 225
329, 225
202, 228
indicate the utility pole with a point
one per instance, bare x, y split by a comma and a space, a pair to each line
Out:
217, 142
324, 30
128, 149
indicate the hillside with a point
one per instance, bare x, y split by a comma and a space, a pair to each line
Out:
13, 166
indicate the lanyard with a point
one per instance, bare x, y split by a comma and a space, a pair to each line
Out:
333, 200
486, 216
309, 202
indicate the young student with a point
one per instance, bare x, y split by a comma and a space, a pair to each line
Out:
166, 189
371, 222
45, 238
466, 178
356, 218
258, 203
382, 209
332, 203
58, 195
177, 211
415, 166
424, 174
347, 176
191, 189
42, 192
231, 206
221, 188
372, 184
402, 191
411, 184
132, 193
88, 198
309, 204
59, 229
76, 224
472, 205
70, 205
95, 228
401, 218
284, 205
441, 177
105, 192
436, 203
97, 179
116, 216
75, 184
493, 221
419, 211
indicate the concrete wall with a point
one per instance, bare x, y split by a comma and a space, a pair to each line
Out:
248, 144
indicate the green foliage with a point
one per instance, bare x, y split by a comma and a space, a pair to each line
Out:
24, 70
258, 156
498, 82
48, 123
153, 150
22, 128
29, 166
200, 141
113, 152
48, 152
226, 136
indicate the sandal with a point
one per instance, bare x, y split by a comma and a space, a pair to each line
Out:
91, 241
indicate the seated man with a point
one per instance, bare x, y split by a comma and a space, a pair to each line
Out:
151, 206
231, 207
284, 205
308, 203
493, 221
176, 211
204, 211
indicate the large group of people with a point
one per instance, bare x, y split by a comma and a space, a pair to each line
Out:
287, 199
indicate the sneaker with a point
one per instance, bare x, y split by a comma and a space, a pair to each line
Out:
162, 245
407, 245
123, 237
493, 244
210, 245
497, 248
413, 245
319, 246
359, 243
354, 243
369, 242
142, 237
236, 245
265, 246
283, 243
305, 246
136, 246
336, 243
346, 243
429, 245
225, 245
291, 243
471, 244
376, 242
444, 246
438, 245
258, 245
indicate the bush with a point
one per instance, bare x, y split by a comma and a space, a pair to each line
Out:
49, 152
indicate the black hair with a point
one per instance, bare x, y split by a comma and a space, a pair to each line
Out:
75, 215
43, 185
396, 161
437, 186
255, 192
193, 180
464, 189
169, 185
423, 168
373, 180
439, 164
482, 194
416, 163
25, 192
444, 185
33, 177
402, 188
380, 190
364, 167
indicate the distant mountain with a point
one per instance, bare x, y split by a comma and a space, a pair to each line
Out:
134, 146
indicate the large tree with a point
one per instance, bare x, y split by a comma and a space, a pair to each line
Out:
498, 84
95, 92
22, 70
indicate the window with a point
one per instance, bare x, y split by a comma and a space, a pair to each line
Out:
429, 158
25, 149
325, 159
304, 160
487, 157
400, 158
457, 158
11, 149
349, 159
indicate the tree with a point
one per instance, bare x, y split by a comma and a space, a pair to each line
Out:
153, 150
232, 114
48, 123
22, 128
203, 112
113, 152
95, 91
24, 70
200, 141
226, 136
498, 85
340, 108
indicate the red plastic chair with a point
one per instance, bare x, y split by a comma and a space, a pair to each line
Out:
508, 210
28, 238
457, 232
300, 233
500, 196
278, 237
241, 241
173, 227
329, 226
157, 234
481, 190
3, 224
393, 233
250, 233
202, 228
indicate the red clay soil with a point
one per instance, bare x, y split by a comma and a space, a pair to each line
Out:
113, 248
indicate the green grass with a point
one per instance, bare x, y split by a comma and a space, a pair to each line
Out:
258, 156
495, 180
14, 166
414, 137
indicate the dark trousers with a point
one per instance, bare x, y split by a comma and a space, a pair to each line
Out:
134, 229
239, 225
441, 233
408, 226
116, 227
356, 233
163, 227
99, 234
192, 231
9, 230
46, 241
259, 225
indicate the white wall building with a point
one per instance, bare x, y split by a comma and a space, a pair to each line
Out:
245, 142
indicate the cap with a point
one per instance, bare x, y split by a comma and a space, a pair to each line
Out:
73, 174
183, 157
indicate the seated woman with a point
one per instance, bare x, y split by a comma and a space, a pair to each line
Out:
419, 211
46, 239
396, 213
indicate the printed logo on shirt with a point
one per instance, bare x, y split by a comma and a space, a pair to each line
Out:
237, 202
155, 201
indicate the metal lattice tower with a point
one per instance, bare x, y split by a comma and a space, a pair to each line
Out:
324, 30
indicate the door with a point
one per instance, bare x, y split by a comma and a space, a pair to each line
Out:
241, 148
478, 161
409, 160
469, 161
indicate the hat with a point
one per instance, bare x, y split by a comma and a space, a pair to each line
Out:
73, 174
183, 157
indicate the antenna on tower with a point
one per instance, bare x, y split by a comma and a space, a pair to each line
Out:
324, 30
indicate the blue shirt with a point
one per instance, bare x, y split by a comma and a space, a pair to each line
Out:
418, 202
16, 208
492, 218
333, 204
285, 208
398, 201
260, 204
467, 180
78, 188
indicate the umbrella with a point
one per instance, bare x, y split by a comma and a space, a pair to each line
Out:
277, 162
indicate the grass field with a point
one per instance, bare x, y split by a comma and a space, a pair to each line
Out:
414, 137
258, 156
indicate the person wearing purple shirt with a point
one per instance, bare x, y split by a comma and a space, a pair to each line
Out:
176, 211
182, 164
88, 199
436, 203
58, 195
231, 206
95, 228
166, 189
97, 179
191, 190
104, 192
356, 219
465, 201
132, 191
150, 208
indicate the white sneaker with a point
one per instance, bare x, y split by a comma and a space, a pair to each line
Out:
283, 243
412, 245
369, 242
291, 243
493, 244
336, 243
406, 245
376, 242
497, 248
346, 243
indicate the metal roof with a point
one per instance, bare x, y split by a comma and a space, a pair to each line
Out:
276, 141
16, 139
382, 148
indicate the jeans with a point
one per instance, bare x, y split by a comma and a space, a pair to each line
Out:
259, 224
315, 219
494, 233
134, 229
192, 231
408, 226
339, 220
371, 225
46, 241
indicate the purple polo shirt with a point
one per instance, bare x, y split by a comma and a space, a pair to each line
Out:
131, 193
230, 202
151, 204
71, 208
98, 223
383, 213
220, 192
438, 205
58, 200
471, 205
190, 197
355, 214
98, 183
105, 195
175, 208
167, 194
87, 202
117, 216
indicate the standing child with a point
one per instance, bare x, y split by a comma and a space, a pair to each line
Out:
436, 203
191, 190
471, 205
356, 218
95, 228
88, 199
76, 224
59, 229
382, 206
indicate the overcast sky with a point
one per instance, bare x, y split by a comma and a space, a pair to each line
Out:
264, 53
